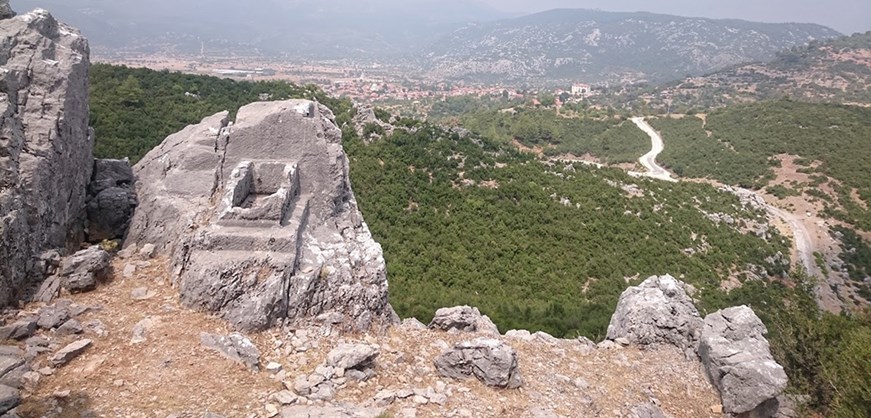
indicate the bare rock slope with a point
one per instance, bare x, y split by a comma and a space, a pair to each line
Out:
45, 143
260, 222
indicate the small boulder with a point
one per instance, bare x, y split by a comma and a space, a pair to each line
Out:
352, 356
738, 361
6, 12
235, 347
70, 352
19, 330
490, 361
81, 271
52, 316
463, 318
658, 311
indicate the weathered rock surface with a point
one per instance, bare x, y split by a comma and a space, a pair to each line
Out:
738, 362
111, 200
463, 318
352, 356
491, 361
235, 347
45, 143
260, 220
658, 311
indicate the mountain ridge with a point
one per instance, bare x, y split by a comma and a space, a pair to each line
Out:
597, 46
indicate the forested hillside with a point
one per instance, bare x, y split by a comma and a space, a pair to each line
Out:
736, 144
534, 244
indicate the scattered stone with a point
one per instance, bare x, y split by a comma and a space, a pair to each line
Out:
284, 397
141, 293
129, 271
384, 397
491, 361
738, 361
19, 330
148, 251
658, 311
235, 347
540, 412
352, 356
141, 330
61, 394
463, 318
70, 352
70, 327
96, 327
273, 367
308, 411
647, 411
271, 410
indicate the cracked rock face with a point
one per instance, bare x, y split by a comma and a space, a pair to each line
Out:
259, 219
658, 311
45, 143
738, 361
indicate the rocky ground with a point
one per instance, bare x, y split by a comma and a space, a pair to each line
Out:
146, 359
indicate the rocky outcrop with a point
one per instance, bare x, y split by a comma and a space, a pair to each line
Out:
45, 143
737, 359
463, 318
658, 311
111, 200
260, 222
491, 361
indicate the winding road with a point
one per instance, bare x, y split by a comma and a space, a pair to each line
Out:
804, 245
654, 170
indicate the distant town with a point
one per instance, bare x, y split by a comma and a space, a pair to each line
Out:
370, 83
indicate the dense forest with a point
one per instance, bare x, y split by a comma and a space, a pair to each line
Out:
536, 245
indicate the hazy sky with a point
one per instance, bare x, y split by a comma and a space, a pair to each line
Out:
846, 16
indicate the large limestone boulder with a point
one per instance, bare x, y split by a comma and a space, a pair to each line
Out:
45, 143
738, 362
658, 311
259, 220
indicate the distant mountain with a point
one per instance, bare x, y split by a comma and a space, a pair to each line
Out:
596, 46
837, 70
334, 29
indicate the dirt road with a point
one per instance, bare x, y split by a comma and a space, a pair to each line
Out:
654, 170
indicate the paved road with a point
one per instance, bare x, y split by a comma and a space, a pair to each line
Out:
654, 170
